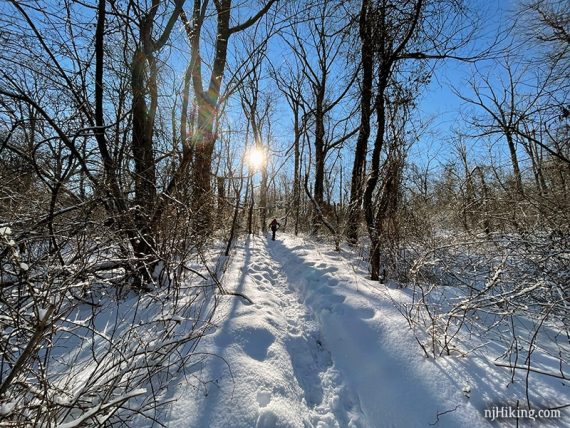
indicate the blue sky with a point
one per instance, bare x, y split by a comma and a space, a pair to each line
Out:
439, 105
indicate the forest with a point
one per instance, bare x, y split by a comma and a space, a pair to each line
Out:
141, 141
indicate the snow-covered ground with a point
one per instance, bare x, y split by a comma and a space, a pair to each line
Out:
323, 347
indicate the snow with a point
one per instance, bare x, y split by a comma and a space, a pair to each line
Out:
6, 408
79, 421
42, 314
323, 347
317, 345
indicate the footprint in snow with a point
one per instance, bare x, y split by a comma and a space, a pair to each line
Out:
268, 277
362, 313
267, 419
258, 277
271, 321
366, 313
329, 269
263, 397
253, 341
309, 360
336, 300
293, 329
256, 342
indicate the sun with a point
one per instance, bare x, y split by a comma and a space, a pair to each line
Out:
256, 157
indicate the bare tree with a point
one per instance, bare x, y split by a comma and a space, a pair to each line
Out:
290, 82
208, 97
505, 110
257, 109
318, 46
410, 34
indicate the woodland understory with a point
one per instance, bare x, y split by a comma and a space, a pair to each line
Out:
140, 139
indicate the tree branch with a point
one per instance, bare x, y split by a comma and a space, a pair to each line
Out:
249, 22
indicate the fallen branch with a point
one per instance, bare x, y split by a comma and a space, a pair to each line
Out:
223, 291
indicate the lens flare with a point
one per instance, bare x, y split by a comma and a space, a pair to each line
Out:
256, 157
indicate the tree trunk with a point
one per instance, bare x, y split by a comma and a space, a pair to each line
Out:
250, 205
486, 221
532, 150
204, 147
263, 198
221, 202
375, 258
356, 184
235, 214
372, 224
207, 113
208, 99
386, 221
374, 174
143, 157
297, 174
467, 203
515, 163
318, 189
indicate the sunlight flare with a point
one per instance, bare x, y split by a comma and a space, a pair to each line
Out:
256, 157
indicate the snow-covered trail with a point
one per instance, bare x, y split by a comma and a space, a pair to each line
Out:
319, 347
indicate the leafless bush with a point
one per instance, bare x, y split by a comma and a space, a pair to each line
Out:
507, 289
77, 345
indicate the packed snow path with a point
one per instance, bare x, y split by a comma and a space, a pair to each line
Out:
319, 347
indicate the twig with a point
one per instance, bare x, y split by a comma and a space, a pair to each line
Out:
443, 413
531, 369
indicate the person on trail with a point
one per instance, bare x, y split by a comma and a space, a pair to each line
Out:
274, 225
